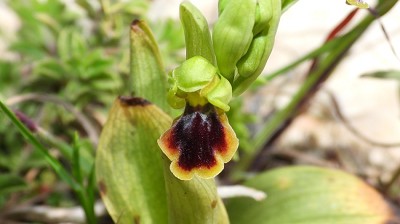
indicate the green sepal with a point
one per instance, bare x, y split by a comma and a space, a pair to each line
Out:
221, 94
174, 101
193, 74
197, 82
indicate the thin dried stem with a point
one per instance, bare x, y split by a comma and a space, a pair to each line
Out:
347, 124
89, 128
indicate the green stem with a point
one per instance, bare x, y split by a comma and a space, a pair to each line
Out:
88, 207
315, 53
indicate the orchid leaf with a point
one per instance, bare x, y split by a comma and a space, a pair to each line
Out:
148, 78
129, 165
310, 195
134, 177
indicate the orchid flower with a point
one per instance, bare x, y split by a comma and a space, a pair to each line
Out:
201, 140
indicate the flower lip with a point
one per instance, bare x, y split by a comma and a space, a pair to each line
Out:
200, 141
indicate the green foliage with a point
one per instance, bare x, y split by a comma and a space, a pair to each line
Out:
8, 78
310, 195
65, 58
11, 183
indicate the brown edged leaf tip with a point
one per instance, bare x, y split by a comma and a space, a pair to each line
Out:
133, 101
199, 142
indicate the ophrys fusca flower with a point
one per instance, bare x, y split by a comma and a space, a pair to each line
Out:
201, 140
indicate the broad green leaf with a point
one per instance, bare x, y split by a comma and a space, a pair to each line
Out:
197, 34
11, 183
129, 168
134, 177
310, 195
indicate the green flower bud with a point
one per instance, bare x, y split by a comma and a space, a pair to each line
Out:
253, 59
263, 16
253, 62
197, 83
232, 34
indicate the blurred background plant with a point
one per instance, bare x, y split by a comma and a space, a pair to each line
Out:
64, 67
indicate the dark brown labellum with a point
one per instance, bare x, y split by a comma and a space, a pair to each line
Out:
200, 141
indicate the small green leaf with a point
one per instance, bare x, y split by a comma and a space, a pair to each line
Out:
71, 43
197, 34
310, 195
50, 69
11, 183
391, 74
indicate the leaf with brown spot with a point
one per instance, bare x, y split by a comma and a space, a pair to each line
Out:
129, 165
102, 187
136, 173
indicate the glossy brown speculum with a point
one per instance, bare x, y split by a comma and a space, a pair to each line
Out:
199, 141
